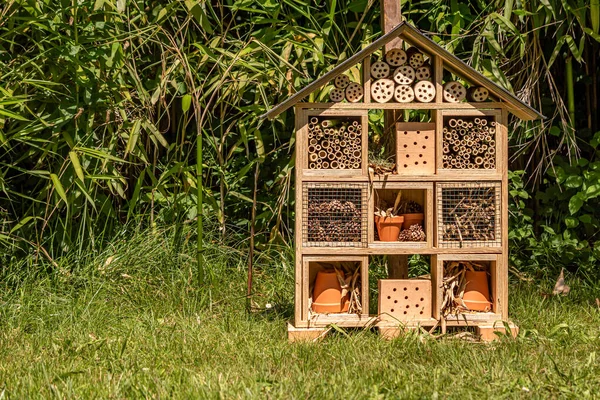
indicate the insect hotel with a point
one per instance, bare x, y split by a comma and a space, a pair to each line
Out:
441, 192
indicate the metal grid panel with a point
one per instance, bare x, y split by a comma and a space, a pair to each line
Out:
468, 214
334, 142
334, 215
469, 142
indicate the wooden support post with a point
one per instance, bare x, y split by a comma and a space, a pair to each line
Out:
398, 267
391, 15
502, 162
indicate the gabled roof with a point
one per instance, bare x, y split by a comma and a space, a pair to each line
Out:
417, 38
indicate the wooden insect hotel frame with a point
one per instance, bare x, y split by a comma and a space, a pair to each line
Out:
449, 183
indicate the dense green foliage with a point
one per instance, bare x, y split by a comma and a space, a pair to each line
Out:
130, 323
101, 103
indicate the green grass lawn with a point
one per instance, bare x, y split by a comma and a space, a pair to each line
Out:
131, 322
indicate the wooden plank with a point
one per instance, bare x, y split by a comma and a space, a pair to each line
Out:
404, 106
429, 215
467, 257
364, 290
342, 320
437, 278
298, 271
439, 129
366, 66
395, 250
438, 76
449, 177
503, 260
304, 334
365, 143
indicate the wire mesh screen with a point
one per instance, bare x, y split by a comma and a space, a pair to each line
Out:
469, 143
334, 142
468, 214
334, 215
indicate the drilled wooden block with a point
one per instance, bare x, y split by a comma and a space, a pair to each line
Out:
415, 148
404, 299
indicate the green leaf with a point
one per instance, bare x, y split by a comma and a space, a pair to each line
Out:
149, 126
76, 165
134, 134
186, 102
10, 114
59, 188
586, 218
571, 222
22, 223
574, 181
576, 203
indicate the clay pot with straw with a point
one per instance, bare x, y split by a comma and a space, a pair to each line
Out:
388, 222
477, 292
327, 294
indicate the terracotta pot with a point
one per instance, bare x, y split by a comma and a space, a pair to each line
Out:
327, 294
388, 228
477, 292
412, 219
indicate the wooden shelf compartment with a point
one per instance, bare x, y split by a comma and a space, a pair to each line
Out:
468, 214
333, 143
498, 287
408, 296
469, 143
334, 214
420, 193
311, 265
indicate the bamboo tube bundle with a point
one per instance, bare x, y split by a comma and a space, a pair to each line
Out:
469, 141
404, 75
424, 91
396, 57
354, 92
380, 70
382, 90
339, 146
454, 92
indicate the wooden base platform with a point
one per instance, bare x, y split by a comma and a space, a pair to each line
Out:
485, 330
